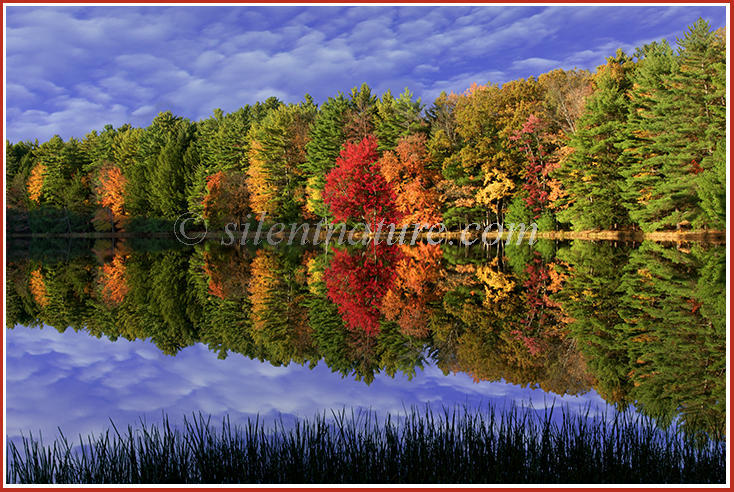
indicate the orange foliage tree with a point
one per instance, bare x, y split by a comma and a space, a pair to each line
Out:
415, 286
408, 171
229, 274
112, 281
227, 197
110, 192
35, 183
38, 288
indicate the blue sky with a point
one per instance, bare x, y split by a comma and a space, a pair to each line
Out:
78, 383
70, 70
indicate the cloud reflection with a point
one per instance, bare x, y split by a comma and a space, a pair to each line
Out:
78, 383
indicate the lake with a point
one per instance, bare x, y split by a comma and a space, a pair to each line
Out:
132, 329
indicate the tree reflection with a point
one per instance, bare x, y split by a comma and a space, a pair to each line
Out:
358, 281
644, 326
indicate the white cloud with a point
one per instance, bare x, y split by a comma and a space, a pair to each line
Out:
537, 65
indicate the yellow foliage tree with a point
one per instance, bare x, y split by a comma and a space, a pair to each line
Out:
114, 287
38, 288
497, 285
35, 183
262, 194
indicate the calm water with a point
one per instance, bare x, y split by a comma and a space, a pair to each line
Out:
130, 330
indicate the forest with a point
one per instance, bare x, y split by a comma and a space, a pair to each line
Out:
639, 144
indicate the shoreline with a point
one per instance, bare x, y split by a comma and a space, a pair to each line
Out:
716, 237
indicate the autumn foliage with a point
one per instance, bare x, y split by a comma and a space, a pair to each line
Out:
417, 271
229, 275
110, 191
35, 182
227, 198
263, 195
356, 188
112, 281
537, 143
264, 279
358, 282
38, 288
544, 317
407, 170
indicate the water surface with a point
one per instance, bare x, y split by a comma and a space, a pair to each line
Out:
133, 329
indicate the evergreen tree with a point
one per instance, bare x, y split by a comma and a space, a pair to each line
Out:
165, 165
677, 122
326, 138
397, 118
591, 174
590, 298
676, 352
277, 156
19, 159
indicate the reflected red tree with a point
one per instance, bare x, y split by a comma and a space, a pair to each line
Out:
544, 317
357, 283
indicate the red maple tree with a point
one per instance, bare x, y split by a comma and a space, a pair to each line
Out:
538, 144
356, 189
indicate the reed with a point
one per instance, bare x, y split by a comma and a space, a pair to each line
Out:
451, 446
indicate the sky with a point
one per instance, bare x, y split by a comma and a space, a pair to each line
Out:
79, 383
73, 69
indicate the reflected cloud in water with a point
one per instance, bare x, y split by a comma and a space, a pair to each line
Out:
78, 383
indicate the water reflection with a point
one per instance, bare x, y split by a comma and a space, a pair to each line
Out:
644, 326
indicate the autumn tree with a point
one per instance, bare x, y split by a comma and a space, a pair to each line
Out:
408, 171
407, 301
564, 96
538, 142
35, 183
110, 192
357, 283
356, 189
222, 145
277, 155
487, 116
361, 115
113, 284
227, 199
37, 286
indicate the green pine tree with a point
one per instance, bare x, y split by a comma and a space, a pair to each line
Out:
326, 138
591, 174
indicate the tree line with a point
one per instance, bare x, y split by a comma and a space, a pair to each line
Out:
639, 143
